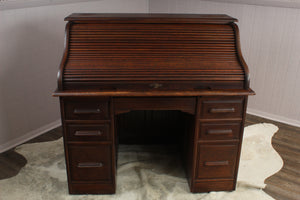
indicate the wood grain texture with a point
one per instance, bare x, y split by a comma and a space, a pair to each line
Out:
184, 104
90, 161
105, 48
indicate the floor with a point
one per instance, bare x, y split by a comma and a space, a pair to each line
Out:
284, 185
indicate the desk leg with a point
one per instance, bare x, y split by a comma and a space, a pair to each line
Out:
89, 142
216, 142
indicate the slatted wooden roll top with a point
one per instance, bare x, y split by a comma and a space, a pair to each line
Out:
152, 51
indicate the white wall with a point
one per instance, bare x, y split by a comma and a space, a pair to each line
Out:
31, 46
14, 4
277, 3
270, 40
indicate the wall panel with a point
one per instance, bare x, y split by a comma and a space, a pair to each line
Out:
31, 47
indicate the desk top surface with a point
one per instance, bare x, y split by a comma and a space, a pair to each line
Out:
151, 93
151, 18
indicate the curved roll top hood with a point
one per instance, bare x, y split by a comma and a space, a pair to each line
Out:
127, 48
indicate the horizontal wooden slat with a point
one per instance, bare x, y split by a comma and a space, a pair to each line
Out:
117, 51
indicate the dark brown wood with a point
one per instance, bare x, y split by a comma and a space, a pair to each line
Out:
86, 109
160, 48
220, 130
216, 161
89, 146
90, 163
64, 58
190, 65
159, 93
153, 124
150, 18
221, 107
283, 185
211, 185
240, 56
88, 132
184, 104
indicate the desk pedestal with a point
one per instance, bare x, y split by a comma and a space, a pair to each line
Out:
213, 135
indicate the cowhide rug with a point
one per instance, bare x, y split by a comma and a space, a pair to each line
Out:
143, 173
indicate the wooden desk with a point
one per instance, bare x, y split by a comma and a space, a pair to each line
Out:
117, 63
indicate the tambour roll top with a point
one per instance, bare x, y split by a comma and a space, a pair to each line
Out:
152, 51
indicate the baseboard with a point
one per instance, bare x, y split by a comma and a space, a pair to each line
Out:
28, 136
273, 117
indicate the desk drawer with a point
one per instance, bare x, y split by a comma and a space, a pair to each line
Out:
86, 109
88, 132
221, 130
216, 161
221, 107
90, 162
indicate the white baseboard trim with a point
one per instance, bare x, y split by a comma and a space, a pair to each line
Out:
28, 136
273, 117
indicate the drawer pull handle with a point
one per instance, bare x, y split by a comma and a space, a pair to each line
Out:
219, 132
155, 85
216, 163
88, 133
87, 111
222, 110
90, 165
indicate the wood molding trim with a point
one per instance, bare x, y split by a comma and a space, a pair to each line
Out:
273, 117
29, 135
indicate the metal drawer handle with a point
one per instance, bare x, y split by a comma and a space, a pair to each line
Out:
88, 133
222, 110
155, 85
216, 163
219, 132
87, 111
90, 165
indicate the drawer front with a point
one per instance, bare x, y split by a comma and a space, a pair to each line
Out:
220, 108
216, 161
88, 132
86, 110
90, 162
219, 130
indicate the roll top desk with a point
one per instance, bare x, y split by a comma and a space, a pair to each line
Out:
116, 63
